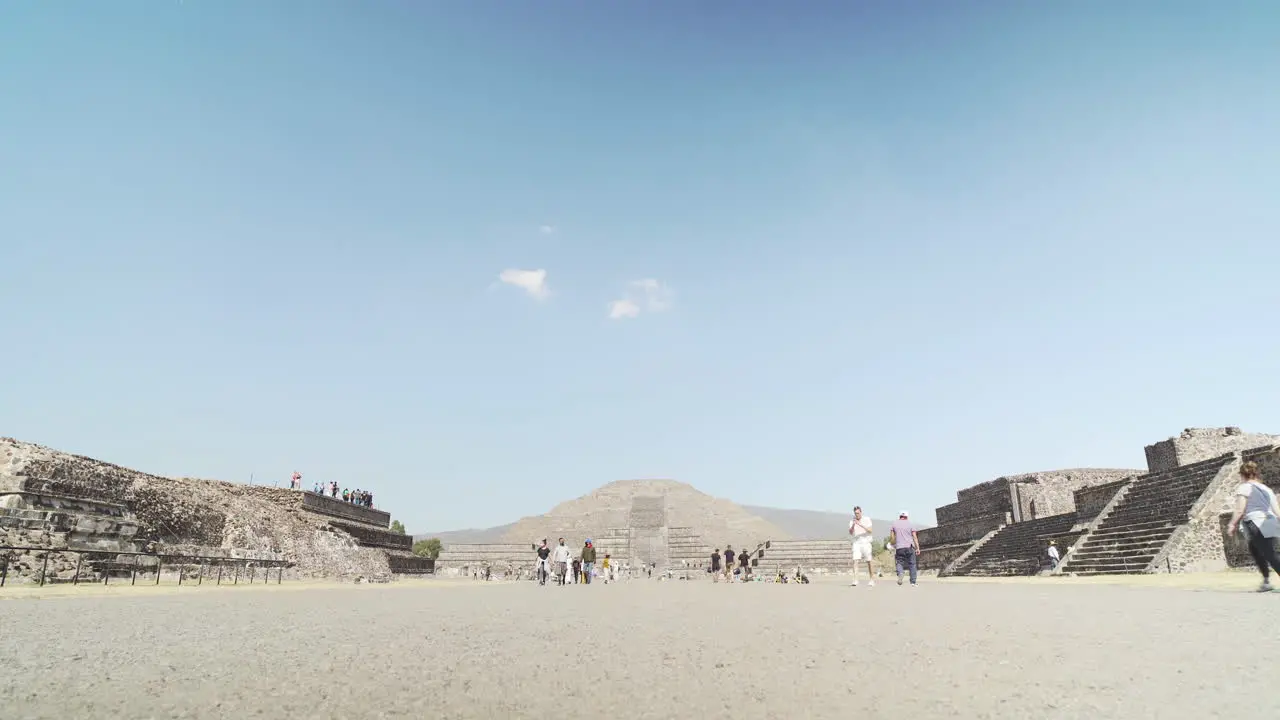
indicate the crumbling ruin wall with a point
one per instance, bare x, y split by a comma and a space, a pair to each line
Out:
178, 511
1196, 444
1053, 493
988, 498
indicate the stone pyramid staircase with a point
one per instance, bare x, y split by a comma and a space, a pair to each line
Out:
648, 523
809, 555
1019, 548
1138, 527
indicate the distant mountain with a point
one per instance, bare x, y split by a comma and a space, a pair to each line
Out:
470, 535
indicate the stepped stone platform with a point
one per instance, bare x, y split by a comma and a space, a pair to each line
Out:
685, 547
1020, 548
333, 507
1137, 529
808, 555
1171, 518
985, 508
57, 500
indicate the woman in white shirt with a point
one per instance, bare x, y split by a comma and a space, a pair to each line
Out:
1258, 516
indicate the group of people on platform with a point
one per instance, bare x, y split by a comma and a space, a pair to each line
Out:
363, 498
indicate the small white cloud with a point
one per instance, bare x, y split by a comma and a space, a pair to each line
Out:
619, 309
647, 294
533, 282
547, 229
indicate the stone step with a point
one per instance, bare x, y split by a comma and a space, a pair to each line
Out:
1130, 544
1111, 523
1138, 530
1146, 515
1123, 535
1150, 548
1130, 564
1160, 500
1086, 556
1127, 541
1179, 490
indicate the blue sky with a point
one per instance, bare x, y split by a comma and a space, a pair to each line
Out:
866, 252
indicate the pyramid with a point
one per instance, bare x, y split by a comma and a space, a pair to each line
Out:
715, 521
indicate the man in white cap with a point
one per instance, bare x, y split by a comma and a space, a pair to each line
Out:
906, 546
860, 529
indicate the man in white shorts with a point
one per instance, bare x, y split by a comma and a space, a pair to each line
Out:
860, 529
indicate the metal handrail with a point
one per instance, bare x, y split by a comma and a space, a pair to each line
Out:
249, 564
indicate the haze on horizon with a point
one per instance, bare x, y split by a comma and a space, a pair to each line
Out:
481, 258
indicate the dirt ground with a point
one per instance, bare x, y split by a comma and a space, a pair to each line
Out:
1161, 647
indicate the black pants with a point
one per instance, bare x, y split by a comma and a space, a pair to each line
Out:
1263, 550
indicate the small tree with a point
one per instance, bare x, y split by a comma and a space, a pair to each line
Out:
429, 548
397, 527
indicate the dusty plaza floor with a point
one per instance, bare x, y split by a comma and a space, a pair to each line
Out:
1051, 648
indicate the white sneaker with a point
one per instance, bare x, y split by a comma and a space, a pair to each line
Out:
1265, 587
871, 583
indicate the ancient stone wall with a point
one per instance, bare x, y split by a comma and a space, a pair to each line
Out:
375, 537
940, 556
67, 527
1045, 494
1268, 461
1090, 501
1196, 444
988, 498
1162, 456
961, 531
178, 511
411, 565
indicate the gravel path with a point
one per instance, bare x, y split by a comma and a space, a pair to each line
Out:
641, 650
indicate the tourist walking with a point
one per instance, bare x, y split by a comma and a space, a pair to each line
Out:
560, 562
860, 529
588, 561
906, 546
715, 565
544, 555
744, 563
577, 570
1257, 515
1054, 558
728, 563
